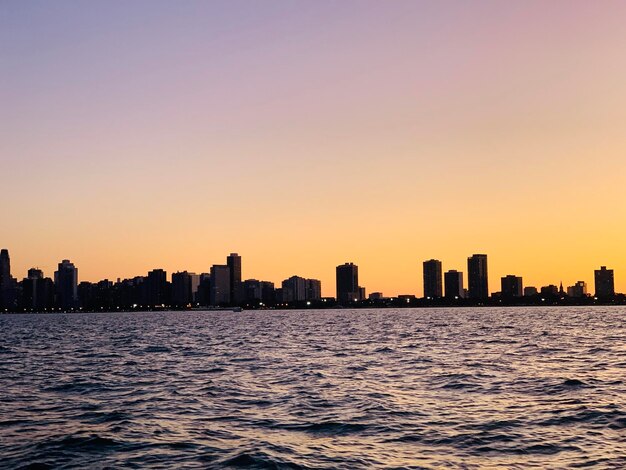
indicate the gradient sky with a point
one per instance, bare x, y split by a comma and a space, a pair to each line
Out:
303, 134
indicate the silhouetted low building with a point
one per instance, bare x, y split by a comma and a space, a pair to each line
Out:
530, 291
578, 290
511, 287
454, 285
549, 291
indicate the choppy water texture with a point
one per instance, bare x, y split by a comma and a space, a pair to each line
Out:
455, 388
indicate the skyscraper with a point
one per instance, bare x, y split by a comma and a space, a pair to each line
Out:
347, 283
233, 261
511, 286
181, 289
432, 279
477, 277
604, 282
454, 284
7, 283
157, 288
66, 284
220, 285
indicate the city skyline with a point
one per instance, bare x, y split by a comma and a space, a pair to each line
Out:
305, 133
224, 285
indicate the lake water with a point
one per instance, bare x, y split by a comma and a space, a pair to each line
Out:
414, 388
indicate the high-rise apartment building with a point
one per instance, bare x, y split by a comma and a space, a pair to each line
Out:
604, 282
157, 288
7, 283
347, 283
66, 285
233, 261
432, 279
181, 289
220, 285
453, 284
477, 277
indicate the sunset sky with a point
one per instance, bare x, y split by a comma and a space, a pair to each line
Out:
304, 134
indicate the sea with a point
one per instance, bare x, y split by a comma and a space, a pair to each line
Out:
315, 389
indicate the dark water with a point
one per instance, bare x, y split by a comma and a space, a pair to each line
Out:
496, 388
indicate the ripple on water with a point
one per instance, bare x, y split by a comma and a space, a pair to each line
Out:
434, 388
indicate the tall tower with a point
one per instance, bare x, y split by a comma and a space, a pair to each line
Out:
477, 277
5, 266
66, 283
233, 261
347, 283
7, 283
432, 279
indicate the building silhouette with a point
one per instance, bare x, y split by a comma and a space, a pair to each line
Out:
549, 291
293, 289
511, 287
432, 279
604, 282
477, 277
300, 289
347, 283
37, 291
578, 290
530, 291
233, 261
8, 285
182, 290
66, 285
259, 292
314, 290
220, 285
454, 285
157, 288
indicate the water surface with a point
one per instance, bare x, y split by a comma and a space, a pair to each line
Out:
414, 388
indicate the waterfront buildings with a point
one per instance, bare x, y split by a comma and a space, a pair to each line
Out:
477, 277
8, 285
233, 261
604, 282
348, 289
220, 290
454, 285
66, 285
530, 291
182, 291
187, 290
432, 279
157, 288
578, 290
511, 287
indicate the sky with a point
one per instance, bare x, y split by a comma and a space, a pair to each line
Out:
305, 134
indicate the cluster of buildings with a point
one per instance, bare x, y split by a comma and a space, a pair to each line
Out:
511, 286
223, 286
